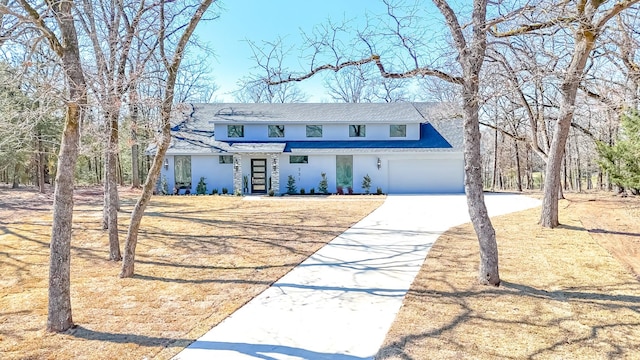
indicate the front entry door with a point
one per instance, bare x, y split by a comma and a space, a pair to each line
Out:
258, 176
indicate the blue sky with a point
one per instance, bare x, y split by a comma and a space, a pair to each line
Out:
266, 20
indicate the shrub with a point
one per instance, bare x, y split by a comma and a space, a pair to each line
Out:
302, 192
201, 188
214, 191
339, 190
271, 192
366, 184
379, 190
238, 192
164, 186
225, 191
323, 186
291, 185
350, 190
312, 191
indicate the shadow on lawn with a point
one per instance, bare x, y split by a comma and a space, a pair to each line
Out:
142, 340
467, 315
598, 231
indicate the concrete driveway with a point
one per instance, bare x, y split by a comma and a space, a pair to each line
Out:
340, 302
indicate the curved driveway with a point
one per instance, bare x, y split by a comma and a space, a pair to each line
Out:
340, 302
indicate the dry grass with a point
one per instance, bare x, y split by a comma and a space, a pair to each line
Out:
563, 294
198, 259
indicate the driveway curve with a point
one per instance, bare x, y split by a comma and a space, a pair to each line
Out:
340, 302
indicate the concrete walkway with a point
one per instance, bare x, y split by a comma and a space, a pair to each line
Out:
340, 302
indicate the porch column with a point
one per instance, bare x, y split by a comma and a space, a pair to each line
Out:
275, 174
237, 174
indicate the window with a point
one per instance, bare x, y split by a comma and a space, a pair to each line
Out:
225, 159
314, 130
298, 159
182, 172
356, 130
235, 131
398, 131
276, 130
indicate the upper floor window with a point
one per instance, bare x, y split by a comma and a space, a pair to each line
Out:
314, 130
235, 131
276, 131
398, 130
357, 130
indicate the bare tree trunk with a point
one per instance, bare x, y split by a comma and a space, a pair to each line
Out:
16, 176
135, 114
112, 186
40, 163
172, 67
495, 159
583, 45
518, 176
59, 308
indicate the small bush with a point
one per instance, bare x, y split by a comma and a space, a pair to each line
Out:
379, 190
164, 186
238, 192
323, 186
214, 191
225, 191
271, 192
312, 191
291, 185
201, 188
366, 183
302, 191
340, 190
350, 190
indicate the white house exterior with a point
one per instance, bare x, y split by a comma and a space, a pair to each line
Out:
253, 148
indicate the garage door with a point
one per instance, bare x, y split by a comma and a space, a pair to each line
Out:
426, 176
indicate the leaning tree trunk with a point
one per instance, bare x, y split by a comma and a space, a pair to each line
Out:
584, 42
488, 273
165, 114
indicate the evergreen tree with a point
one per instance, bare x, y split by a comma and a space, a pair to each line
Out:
620, 160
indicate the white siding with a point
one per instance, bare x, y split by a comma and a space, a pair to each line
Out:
297, 132
216, 175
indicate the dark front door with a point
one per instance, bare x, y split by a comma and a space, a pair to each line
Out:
258, 176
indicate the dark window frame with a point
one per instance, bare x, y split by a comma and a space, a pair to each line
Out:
235, 134
398, 127
299, 159
275, 131
315, 128
358, 130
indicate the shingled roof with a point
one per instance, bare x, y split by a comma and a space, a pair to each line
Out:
193, 129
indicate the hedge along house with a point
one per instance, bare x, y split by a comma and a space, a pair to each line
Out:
253, 148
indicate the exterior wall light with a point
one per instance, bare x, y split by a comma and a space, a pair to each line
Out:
275, 163
236, 164
166, 164
379, 163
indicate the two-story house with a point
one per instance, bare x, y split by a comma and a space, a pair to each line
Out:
253, 148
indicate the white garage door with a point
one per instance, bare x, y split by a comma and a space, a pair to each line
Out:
420, 176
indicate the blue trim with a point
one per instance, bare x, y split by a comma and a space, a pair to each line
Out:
430, 138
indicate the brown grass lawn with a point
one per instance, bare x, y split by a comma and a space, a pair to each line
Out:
198, 259
567, 293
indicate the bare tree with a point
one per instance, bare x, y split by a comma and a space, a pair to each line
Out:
63, 40
171, 61
469, 43
586, 21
